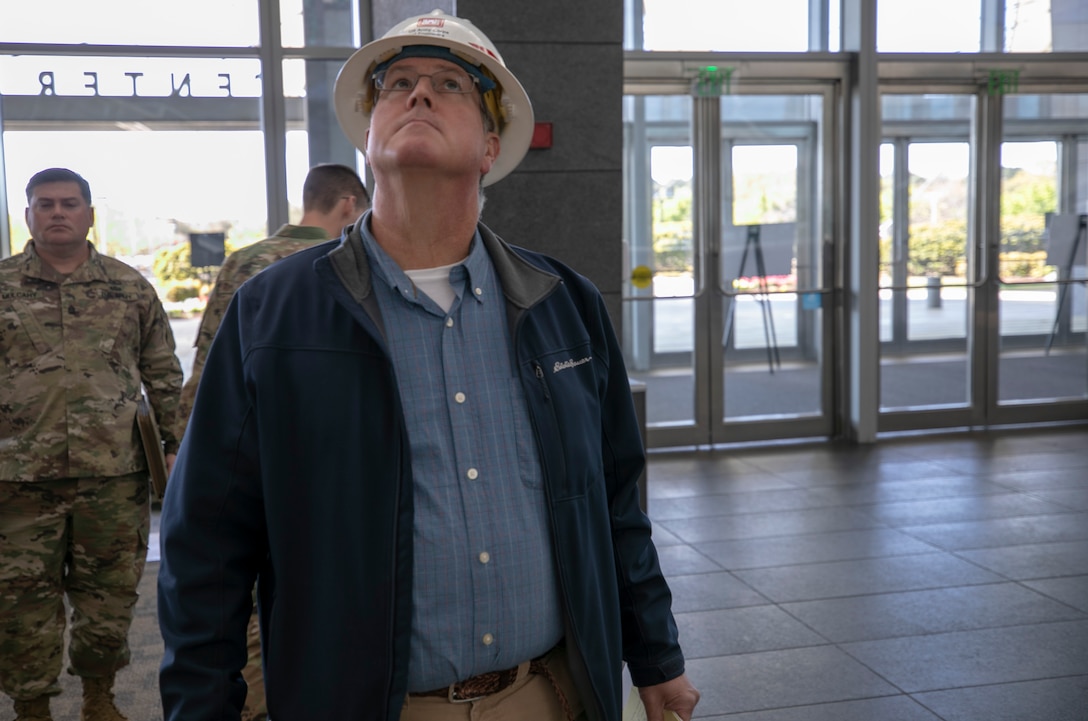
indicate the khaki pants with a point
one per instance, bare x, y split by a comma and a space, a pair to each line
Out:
256, 708
532, 697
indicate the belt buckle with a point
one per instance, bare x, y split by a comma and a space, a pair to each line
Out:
452, 696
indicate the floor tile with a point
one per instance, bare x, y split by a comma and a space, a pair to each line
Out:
1075, 499
664, 537
961, 508
863, 577
794, 550
1044, 560
682, 560
1042, 478
1072, 590
757, 525
916, 613
888, 708
1059, 699
771, 500
742, 630
998, 532
710, 591
870, 492
776, 679
892, 470
974, 658
1005, 463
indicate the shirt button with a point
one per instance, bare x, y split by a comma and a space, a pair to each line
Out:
479, 291
488, 639
459, 397
472, 474
449, 322
485, 557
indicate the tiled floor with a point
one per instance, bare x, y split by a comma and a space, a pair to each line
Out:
911, 580
915, 579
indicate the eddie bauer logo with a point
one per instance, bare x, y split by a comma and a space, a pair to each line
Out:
564, 365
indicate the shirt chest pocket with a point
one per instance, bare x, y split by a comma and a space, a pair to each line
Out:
22, 339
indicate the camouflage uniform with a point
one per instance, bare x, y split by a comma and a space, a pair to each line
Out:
239, 267
74, 511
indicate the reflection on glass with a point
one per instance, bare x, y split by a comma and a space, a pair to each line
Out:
49, 76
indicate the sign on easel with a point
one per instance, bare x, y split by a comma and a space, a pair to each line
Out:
1064, 236
777, 242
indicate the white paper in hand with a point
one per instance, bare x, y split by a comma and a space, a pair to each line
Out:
635, 711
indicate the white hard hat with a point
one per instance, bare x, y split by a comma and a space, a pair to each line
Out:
514, 113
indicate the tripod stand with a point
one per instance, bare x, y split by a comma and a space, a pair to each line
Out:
1063, 291
752, 242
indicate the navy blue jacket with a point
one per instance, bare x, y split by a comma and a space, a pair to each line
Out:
296, 468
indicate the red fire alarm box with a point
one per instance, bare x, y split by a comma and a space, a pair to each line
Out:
542, 136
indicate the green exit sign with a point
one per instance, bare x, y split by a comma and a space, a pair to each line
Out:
712, 81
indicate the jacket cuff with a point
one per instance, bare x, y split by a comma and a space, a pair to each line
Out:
667, 670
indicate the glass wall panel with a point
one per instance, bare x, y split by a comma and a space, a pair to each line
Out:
1030, 26
726, 25
1044, 238
770, 266
928, 26
55, 76
317, 23
660, 262
131, 22
888, 267
925, 290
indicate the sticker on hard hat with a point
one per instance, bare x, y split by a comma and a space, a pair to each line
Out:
432, 22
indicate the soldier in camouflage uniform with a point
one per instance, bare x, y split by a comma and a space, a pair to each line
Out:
80, 333
332, 196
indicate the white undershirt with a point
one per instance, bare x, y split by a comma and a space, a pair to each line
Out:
435, 282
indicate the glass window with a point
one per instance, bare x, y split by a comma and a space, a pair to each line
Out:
1068, 23
61, 76
320, 23
131, 22
725, 25
171, 183
908, 26
1031, 26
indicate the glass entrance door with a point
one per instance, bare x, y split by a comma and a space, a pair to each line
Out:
725, 308
981, 275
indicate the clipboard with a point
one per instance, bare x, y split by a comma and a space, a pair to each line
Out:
152, 442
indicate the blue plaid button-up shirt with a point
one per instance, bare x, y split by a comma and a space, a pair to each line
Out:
485, 593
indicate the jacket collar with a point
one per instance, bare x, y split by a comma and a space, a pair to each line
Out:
523, 284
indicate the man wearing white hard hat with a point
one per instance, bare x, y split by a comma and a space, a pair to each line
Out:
420, 441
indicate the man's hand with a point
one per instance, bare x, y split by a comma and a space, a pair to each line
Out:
676, 695
170, 458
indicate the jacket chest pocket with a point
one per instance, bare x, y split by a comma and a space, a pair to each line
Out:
571, 423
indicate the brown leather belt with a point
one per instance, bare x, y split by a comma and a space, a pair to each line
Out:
477, 687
